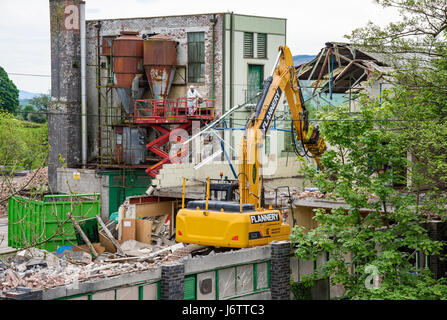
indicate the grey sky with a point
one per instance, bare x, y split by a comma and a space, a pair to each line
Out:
25, 38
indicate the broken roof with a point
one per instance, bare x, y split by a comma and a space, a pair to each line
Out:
340, 67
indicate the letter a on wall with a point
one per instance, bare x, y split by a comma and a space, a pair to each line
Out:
72, 17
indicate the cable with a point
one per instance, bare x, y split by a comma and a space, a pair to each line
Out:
295, 146
145, 81
235, 119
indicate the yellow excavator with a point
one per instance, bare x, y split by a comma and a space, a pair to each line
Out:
227, 223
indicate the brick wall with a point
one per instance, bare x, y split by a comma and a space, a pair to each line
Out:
280, 270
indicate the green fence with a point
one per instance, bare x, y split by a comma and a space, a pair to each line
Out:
44, 223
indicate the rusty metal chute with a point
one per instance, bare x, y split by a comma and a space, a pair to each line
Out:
160, 60
128, 67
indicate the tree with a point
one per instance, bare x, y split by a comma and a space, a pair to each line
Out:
22, 144
28, 109
416, 49
402, 139
41, 104
383, 227
9, 95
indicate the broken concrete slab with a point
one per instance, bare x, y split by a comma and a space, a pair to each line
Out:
36, 263
78, 257
32, 253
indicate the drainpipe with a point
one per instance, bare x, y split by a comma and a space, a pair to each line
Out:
231, 76
214, 20
98, 81
83, 86
231, 61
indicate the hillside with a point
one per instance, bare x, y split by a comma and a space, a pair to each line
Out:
26, 96
300, 59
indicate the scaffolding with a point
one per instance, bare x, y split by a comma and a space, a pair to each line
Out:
140, 137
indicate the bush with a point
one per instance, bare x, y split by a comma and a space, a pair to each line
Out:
21, 144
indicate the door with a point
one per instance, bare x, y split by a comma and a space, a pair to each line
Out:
123, 184
255, 79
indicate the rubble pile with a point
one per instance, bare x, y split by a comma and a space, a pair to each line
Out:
138, 240
38, 269
33, 180
160, 229
308, 194
296, 193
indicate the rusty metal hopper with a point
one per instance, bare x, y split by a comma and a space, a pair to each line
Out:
128, 67
160, 60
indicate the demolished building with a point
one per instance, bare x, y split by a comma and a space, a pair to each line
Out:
136, 73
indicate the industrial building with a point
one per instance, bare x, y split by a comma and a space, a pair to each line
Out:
120, 118
128, 79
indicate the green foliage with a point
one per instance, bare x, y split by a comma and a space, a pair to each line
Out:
302, 289
22, 144
381, 220
26, 111
375, 153
9, 94
416, 49
41, 105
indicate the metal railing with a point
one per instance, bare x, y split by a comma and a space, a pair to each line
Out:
173, 110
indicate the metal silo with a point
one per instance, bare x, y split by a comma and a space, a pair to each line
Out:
128, 67
160, 60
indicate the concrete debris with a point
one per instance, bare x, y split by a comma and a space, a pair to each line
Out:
31, 268
150, 190
282, 197
78, 257
310, 194
130, 245
160, 228
35, 263
34, 253
136, 249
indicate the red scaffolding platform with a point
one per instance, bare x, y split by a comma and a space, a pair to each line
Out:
167, 115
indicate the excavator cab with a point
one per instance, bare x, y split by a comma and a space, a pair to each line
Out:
223, 189
223, 222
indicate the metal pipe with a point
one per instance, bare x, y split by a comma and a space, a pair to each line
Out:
207, 192
276, 62
183, 193
98, 83
231, 70
214, 21
83, 85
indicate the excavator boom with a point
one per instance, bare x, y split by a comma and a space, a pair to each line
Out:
282, 81
247, 223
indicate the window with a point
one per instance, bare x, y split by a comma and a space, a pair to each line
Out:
248, 45
262, 45
196, 56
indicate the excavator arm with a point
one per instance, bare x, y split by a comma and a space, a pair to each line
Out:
282, 81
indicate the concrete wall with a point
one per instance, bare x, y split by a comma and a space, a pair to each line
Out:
116, 288
286, 172
81, 181
64, 120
